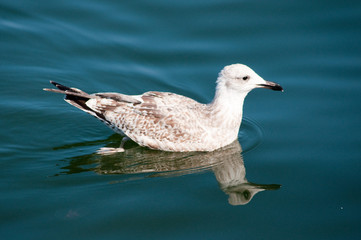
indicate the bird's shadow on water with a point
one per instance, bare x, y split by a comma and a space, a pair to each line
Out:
139, 163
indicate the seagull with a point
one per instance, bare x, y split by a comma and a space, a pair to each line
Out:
172, 122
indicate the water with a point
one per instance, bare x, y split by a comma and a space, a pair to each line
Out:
302, 147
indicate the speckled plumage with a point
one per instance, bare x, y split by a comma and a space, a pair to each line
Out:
171, 122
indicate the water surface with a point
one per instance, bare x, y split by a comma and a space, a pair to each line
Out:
293, 174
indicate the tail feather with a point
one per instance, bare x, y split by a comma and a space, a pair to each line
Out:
76, 97
61, 87
68, 91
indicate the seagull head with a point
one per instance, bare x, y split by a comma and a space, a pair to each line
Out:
242, 78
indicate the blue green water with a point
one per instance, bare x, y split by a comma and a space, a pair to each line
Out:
302, 147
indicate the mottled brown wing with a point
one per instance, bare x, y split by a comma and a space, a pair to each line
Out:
160, 117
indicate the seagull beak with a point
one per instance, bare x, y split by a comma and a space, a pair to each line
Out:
271, 85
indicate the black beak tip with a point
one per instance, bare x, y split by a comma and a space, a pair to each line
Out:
272, 86
277, 87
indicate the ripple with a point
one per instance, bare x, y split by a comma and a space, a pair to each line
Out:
250, 134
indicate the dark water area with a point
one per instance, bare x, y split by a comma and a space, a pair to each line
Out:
293, 174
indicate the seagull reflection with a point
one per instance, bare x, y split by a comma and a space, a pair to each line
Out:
231, 176
138, 162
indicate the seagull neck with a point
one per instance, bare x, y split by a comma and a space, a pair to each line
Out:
227, 107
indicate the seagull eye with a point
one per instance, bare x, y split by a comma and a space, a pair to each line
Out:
245, 78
